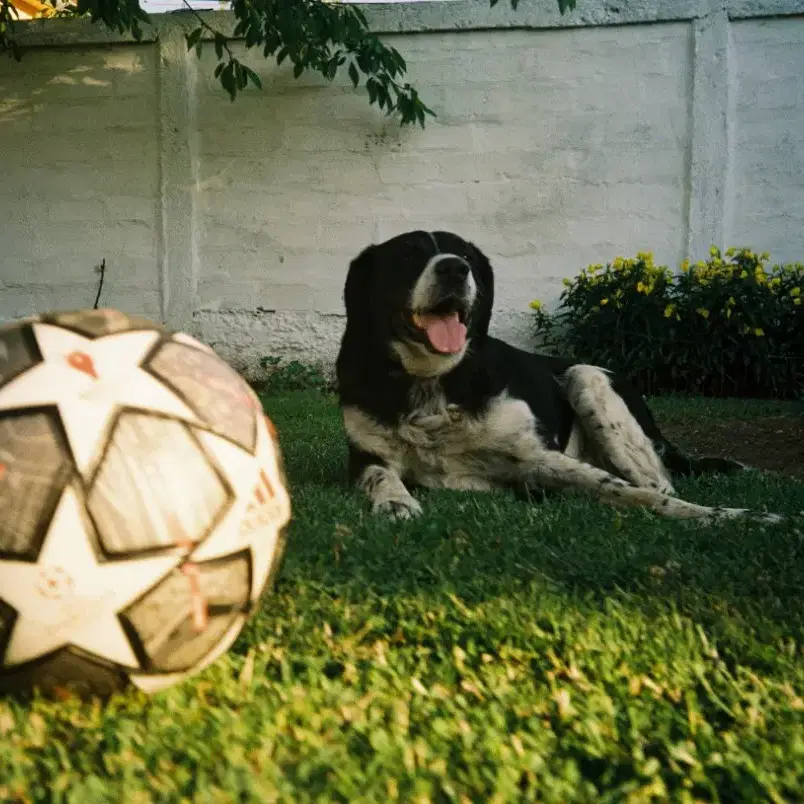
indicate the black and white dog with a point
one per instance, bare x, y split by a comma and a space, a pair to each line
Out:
430, 399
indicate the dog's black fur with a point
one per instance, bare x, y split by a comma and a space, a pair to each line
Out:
417, 416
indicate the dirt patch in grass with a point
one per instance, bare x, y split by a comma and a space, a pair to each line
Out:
775, 443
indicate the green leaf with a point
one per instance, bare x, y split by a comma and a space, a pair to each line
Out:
253, 77
194, 37
253, 37
227, 79
371, 87
220, 44
353, 74
241, 79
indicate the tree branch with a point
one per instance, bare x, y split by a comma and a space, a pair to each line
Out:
316, 35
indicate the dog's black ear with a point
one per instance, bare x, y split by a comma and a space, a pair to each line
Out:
357, 287
484, 276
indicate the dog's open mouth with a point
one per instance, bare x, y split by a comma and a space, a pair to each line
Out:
444, 325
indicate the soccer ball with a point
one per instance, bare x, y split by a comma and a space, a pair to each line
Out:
143, 504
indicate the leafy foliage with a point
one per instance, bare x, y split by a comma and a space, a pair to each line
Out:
124, 15
729, 326
8, 16
318, 35
291, 376
492, 651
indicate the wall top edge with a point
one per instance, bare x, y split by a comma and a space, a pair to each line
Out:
438, 16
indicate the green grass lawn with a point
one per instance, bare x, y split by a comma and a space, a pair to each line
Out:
491, 651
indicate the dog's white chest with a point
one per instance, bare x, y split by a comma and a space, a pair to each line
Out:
441, 446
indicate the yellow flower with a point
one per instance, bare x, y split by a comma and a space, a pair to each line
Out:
702, 311
641, 287
714, 251
604, 301
685, 266
797, 301
775, 282
794, 292
535, 305
744, 275
759, 332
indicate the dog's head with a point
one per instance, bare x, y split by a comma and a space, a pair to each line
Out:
424, 297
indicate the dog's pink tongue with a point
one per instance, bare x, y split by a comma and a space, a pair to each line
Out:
446, 333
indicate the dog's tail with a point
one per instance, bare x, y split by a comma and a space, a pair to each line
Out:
681, 463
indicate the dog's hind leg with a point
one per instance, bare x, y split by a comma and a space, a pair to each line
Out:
554, 470
613, 434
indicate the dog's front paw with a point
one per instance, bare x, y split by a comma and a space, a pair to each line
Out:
398, 509
771, 519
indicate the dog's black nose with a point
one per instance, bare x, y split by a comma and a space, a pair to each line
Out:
453, 270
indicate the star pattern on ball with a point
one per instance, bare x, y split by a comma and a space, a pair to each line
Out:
89, 380
77, 596
258, 512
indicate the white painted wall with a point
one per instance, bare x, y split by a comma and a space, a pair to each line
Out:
766, 188
80, 179
552, 149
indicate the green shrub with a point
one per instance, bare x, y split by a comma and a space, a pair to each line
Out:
292, 376
729, 326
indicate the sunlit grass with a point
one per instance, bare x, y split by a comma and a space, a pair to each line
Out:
491, 651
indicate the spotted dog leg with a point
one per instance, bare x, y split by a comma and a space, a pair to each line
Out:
554, 470
612, 431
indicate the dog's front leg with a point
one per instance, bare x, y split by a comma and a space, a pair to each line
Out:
372, 466
387, 492
382, 484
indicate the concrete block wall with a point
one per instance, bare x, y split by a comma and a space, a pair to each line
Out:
559, 141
